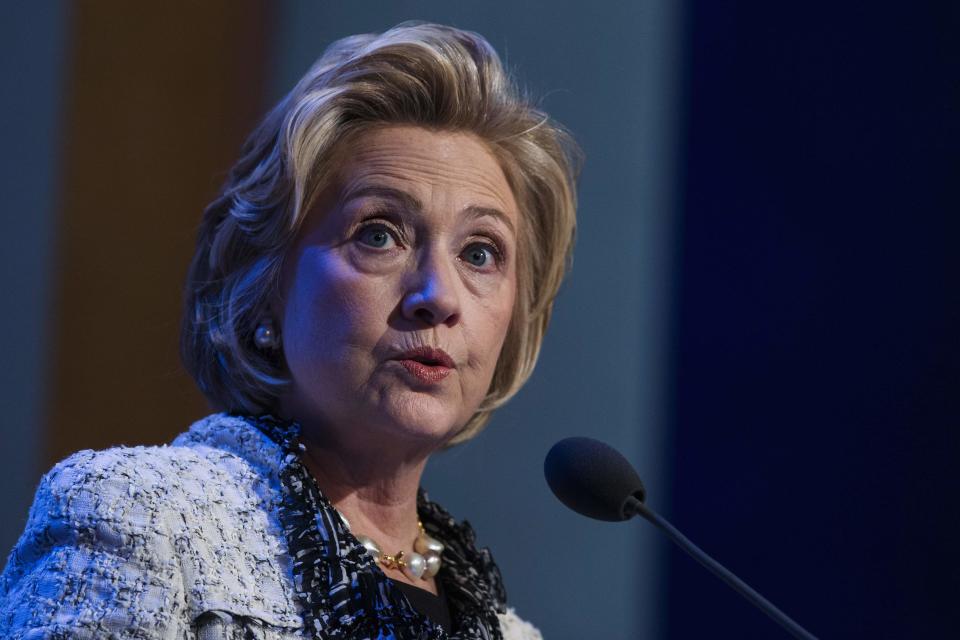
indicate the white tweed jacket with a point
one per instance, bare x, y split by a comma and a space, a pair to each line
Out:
178, 542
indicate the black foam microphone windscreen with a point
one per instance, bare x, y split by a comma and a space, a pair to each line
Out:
592, 478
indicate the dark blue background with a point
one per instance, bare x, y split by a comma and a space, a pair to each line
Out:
817, 353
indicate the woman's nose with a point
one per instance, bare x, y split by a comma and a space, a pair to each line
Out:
433, 298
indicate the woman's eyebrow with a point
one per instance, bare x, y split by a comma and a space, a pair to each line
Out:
409, 201
412, 203
476, 211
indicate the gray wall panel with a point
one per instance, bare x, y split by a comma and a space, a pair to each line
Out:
34, 41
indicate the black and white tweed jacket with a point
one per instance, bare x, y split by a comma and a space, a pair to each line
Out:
180, 542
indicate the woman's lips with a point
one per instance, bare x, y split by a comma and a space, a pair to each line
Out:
427, 364
426, 372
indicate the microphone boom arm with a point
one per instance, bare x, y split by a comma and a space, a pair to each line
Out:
635, 506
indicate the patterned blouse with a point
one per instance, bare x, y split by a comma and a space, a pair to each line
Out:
223, 535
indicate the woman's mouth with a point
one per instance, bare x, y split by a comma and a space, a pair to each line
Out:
427, 364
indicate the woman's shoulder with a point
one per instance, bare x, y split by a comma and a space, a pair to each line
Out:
213, 485
219, 457
199, 495
133, 481
122, 465
197, 516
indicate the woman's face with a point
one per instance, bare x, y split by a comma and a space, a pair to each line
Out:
413, 246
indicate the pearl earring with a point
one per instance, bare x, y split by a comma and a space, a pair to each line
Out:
265, 336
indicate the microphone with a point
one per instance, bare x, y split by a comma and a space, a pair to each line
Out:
595, 480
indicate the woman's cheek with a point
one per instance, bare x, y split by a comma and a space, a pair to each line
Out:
491, 288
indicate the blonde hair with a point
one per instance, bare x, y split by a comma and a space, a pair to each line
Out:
420, 74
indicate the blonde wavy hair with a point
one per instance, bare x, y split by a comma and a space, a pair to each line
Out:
422, 74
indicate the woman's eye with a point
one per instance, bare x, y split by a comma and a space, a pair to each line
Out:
480, 254
377, 236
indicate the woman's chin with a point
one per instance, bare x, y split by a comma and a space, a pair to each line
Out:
424, 420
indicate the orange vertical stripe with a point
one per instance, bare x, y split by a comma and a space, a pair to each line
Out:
158, 104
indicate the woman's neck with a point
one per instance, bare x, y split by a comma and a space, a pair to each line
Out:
375, 488
376, 492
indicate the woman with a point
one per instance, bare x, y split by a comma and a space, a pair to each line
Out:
375, 279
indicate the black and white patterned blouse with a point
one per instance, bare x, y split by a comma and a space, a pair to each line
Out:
344, 593
223, 536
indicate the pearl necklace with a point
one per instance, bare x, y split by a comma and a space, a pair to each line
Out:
422, 563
